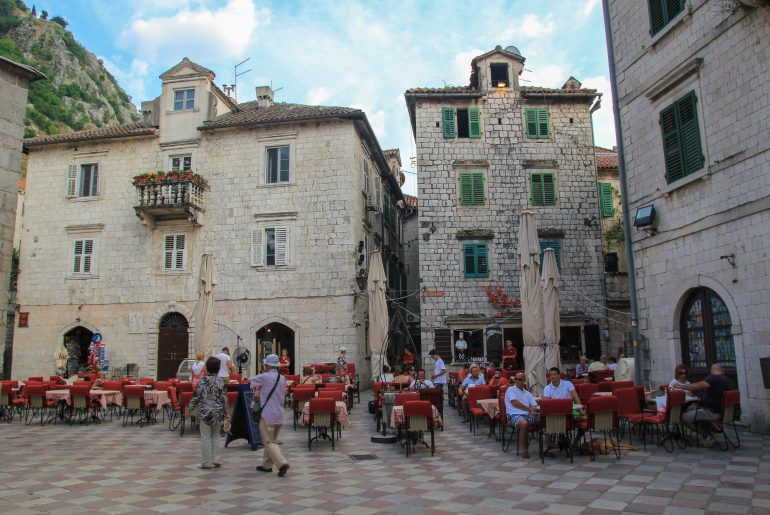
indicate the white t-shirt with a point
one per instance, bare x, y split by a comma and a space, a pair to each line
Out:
198, 366
437, 370
563, 391
224, 359
461, 344
514, 393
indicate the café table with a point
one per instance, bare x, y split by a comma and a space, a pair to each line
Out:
105, 397
341, 410
397, 417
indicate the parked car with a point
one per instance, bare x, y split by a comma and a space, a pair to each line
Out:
184, 371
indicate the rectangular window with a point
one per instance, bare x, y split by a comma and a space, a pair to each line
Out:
270, 247
184, 99
475, 259
365, 178
662, 12
611, 262
83, 257
543, 186
174, 253
499, 75
606, 203
448, 117
472, 189
462, 123
681, 138
537, 122
83, 180
551, 244
181, 163
277, 165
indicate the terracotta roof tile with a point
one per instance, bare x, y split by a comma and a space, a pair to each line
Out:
249, 114
443, 91
606, 158
533, 90
391, 152
120, 131
410, 200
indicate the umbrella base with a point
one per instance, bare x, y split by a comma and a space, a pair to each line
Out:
378, 438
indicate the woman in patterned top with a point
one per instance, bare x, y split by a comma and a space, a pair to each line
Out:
210, 396
342, 364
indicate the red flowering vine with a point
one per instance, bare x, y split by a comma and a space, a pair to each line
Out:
501, 301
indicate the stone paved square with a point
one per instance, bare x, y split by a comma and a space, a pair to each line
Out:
107, 468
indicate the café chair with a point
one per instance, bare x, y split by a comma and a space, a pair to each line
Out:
586, 391
299, 398
83, 408
603, 416
731, 403
418, 419
669, 422
133, 404
175, 407
436, 397
505, 424
38, 405
185, 386
474, 410
337, 395
323, 418
629, 411
616, 385
556, 422
11, 404
192, 414
355, 381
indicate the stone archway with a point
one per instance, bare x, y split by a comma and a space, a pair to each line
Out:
173, 344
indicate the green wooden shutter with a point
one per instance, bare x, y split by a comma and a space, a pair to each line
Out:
474, 122
450, 130
469, 256
549, 189
542, 123
672, 149
551, 244
478, 188
657, 19
531, 119
606, 205
466, 189
482, 263
536, 185
692, 155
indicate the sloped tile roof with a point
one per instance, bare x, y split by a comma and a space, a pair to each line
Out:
120, 131
443, 91
249, 114
410, 200
391, 152
534, 90
606, 158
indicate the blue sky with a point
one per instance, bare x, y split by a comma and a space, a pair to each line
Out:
362, 54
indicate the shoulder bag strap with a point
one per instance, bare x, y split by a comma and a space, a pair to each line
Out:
271, 391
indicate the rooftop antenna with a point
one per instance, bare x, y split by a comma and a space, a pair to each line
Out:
233, 88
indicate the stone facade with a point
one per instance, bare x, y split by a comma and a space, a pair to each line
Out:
506, 157
712, 231
15, 79
411, 252
313, 293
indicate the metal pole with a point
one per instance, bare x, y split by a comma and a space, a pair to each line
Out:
623, 195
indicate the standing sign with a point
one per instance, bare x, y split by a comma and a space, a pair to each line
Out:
243, 424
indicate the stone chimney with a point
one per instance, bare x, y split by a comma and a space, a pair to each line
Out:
264, 96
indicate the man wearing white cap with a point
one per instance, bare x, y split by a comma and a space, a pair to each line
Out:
342, 363
270, 388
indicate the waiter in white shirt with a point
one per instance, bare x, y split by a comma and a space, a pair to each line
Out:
439, 370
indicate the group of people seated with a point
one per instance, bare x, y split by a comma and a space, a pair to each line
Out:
583, 368
414, 378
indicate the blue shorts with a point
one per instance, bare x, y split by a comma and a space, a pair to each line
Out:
532, 420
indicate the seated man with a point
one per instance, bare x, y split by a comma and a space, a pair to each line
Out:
462, 374
474, 379
498, 379
710, 408
598, 365
522, 412
612, 363
560, 388
421, 383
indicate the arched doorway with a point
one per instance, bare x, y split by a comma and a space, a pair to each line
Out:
706, 333
271, 339
77, 341
173, 344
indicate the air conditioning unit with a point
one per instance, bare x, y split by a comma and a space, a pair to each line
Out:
412, 319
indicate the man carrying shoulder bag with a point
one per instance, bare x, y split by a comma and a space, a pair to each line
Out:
270, 388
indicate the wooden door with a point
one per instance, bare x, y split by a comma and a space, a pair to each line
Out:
173, 347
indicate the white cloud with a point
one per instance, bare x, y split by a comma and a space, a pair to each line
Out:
589, 6
318, 96
461, 67
530, 26
549, 76
200, 32
377, 120
604, 123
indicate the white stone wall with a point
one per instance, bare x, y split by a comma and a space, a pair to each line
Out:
720, 210
506, 149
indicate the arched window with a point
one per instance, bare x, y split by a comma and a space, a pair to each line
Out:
706, 331
173, 319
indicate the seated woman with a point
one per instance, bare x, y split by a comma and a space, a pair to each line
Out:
680, 378
401, 377
387, 374
582, 368
312, 378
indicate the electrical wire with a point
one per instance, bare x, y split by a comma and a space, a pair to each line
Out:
592, 301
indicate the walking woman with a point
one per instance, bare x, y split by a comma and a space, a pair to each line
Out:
210, 396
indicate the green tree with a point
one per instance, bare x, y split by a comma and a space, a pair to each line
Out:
43, 15
61, 21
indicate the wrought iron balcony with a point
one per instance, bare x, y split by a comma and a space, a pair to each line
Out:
165, 198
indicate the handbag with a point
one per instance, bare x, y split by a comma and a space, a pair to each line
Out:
256, 406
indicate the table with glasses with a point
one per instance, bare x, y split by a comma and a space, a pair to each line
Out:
341, 410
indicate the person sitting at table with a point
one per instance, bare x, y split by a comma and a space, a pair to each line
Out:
582, 368
598, 365
612, 363
312, 378
387, 374
342, 363
521, 408
420, 382
680, 378
710, 408
498, 379
407, 358
510, 355
474, 379
401, 377
462, 374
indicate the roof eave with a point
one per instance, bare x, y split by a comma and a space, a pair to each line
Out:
269, 122
588, 96
35, 144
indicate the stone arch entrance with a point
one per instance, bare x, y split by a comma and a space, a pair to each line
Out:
271, 339
77, 341
173, 344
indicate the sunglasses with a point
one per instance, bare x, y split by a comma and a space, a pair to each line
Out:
519, 379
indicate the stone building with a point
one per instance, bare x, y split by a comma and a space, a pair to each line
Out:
618, 323
485, 152
15, 79
411, 252
288, 199
693, 86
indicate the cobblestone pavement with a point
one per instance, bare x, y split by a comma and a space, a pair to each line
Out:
107, 468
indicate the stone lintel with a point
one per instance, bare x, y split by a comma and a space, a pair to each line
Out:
539, 163
475, 234
550, 233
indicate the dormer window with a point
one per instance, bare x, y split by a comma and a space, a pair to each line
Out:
184, 99
499, 75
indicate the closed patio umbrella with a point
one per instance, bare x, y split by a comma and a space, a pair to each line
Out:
204, 310
378, 313
531, 302
551, 318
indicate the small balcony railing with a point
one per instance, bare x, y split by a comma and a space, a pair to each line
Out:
170, 199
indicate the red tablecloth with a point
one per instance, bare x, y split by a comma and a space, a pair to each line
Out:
341, 409
397, 417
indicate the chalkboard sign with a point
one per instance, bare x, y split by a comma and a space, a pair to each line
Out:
243, 424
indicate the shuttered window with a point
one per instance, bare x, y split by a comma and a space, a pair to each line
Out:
461, 123
475, 260
270, 247
174, 253
474, 122
551, 244
83, 180
536, 119
448, 122
543, 189
83, 257
472, 188
277, 165
662, 12
681, 138
606, 204
365, 177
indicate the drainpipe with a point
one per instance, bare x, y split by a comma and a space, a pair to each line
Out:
623, 195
